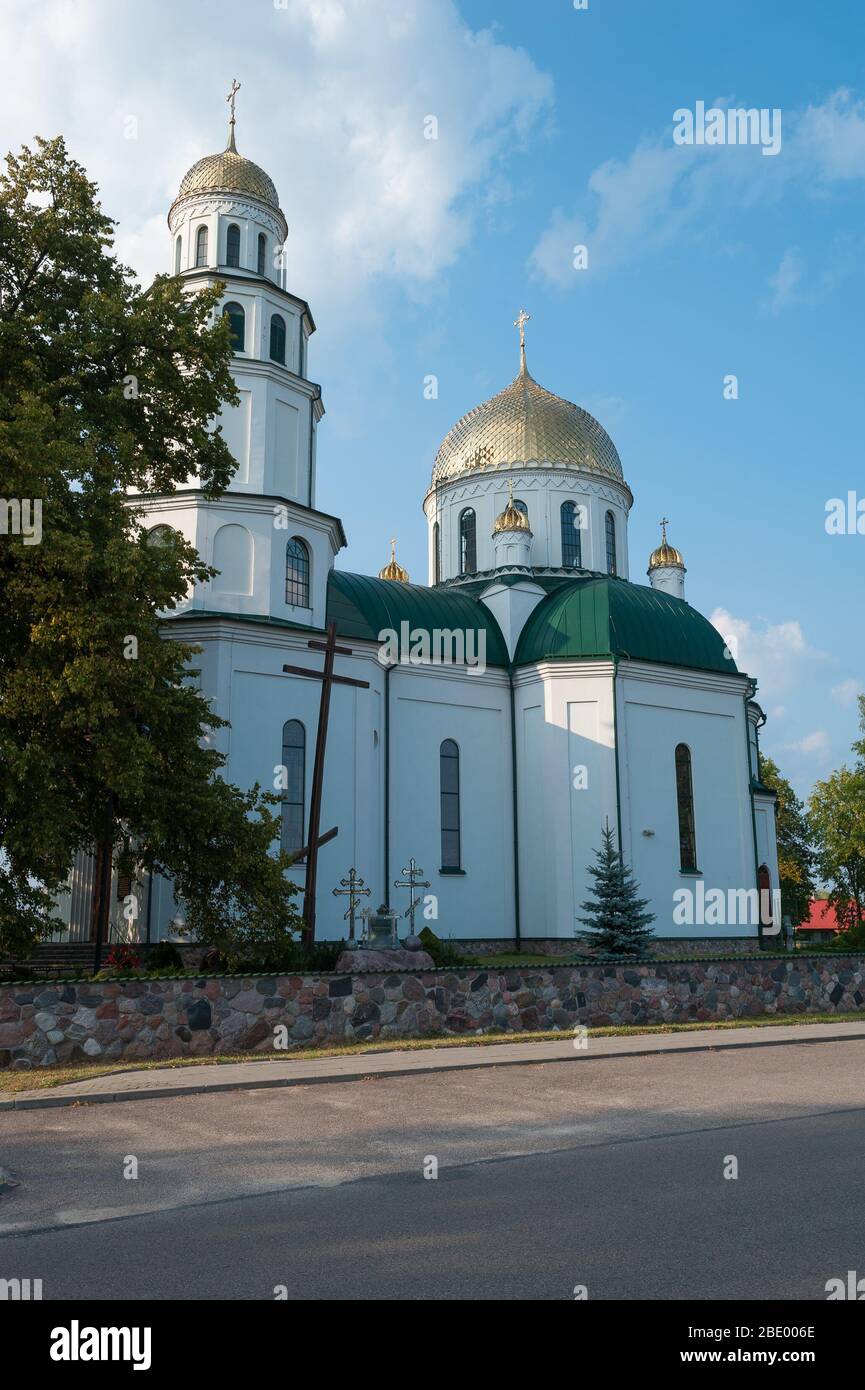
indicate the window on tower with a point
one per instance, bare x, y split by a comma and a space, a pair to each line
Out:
521, 507
437, 553
468, 542
178, 248
232, 245
572, 541
277, 338
685, 803
293, 760
610, 525
449, 778
201, 246
262, 252
297, 573
237, 324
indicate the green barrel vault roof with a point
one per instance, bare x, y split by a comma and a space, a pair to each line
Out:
602, 616
362, 607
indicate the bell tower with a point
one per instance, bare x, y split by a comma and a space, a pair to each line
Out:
273, 549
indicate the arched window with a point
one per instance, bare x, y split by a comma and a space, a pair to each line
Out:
262, 252
232, 245
572, 541
468, 542
297, 573
277, 338
685, 802
237, 323
178, 251
293, 760
610, 525
437, 553
201, 246
160, 535
521, 507
449, 777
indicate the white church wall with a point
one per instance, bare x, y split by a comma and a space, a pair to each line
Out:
426, 708
657, 711
566, 787
767, 845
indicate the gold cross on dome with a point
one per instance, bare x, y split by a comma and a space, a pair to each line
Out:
520, 322
235, 88
665, 521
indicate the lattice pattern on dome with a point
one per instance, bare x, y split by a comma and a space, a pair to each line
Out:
230, 172
525, 425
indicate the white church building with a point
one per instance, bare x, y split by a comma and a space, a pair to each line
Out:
529, 692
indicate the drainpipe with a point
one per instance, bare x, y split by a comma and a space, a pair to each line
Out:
386, 899
616, 752
749, 695
516, 834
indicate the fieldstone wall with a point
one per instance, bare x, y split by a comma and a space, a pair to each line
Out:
110, 1020
660, 947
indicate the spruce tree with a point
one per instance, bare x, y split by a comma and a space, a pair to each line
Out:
617, 917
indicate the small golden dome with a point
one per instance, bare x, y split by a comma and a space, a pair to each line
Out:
230, 172
392, 570
666, 555
511, 519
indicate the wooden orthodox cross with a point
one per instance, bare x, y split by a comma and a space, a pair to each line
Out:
315, 840
354, 889
411, 879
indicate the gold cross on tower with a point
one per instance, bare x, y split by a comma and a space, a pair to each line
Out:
665, 521
520, 322
235, 88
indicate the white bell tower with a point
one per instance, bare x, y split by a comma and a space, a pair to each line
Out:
273, 549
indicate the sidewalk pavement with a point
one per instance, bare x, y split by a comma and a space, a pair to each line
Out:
256, 1075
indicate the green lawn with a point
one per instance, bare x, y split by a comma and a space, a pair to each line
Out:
46, 1077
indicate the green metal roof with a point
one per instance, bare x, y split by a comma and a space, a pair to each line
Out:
362, 607
604, 616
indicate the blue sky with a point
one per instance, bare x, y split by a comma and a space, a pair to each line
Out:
555, 127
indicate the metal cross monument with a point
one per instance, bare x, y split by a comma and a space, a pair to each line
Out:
315, 840
354, 889
411, 879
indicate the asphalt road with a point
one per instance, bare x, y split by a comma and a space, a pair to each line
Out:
550, 1176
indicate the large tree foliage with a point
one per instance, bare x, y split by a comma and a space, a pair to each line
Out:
837, 812
795, 845
107, 388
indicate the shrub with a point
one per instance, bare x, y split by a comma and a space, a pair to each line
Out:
122, 957
164, 956
444, 953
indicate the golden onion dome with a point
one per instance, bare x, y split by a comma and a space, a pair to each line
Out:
511, 519
232, 173
392, 570
666, 555
522, 427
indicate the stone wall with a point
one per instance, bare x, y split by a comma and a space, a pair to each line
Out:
660, 947
110, 1020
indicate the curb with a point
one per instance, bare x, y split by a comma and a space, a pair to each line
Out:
48, 1102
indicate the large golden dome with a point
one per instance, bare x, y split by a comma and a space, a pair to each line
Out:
524, 426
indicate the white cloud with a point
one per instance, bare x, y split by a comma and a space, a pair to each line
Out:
846, 692
646, 200
777, 653
813, 743
785, 282
333, 100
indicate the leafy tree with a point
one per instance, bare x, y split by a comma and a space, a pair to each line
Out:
837, 812
107, 389
617, 916
796, 853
